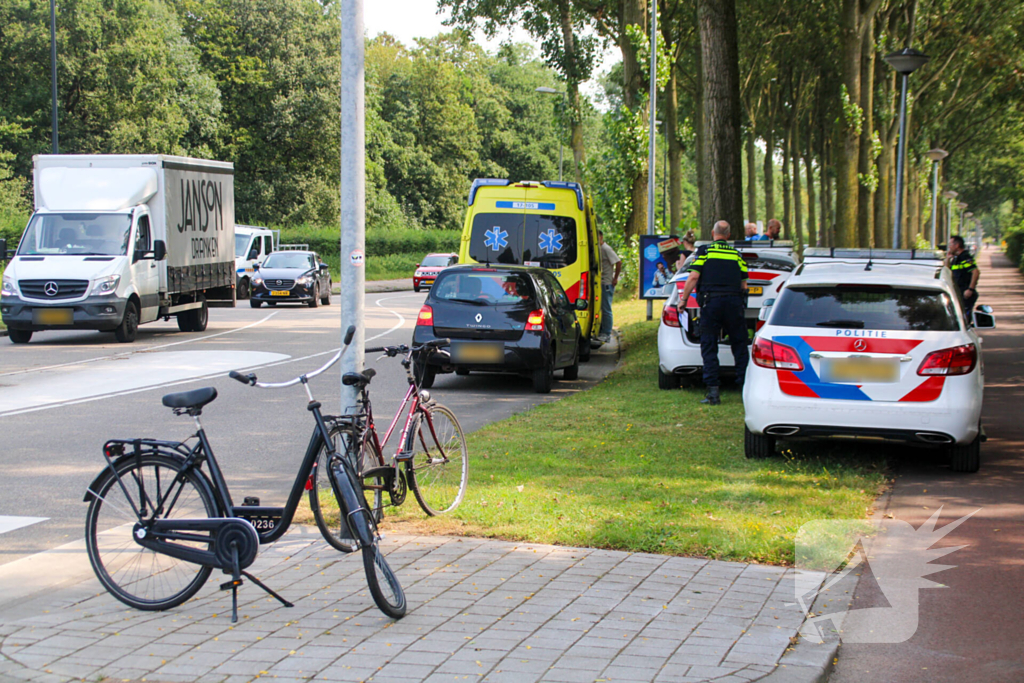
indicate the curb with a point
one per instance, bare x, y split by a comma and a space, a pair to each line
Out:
808, 662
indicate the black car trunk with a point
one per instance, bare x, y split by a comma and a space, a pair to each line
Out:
464, 320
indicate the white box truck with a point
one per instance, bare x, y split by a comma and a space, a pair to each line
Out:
120, 240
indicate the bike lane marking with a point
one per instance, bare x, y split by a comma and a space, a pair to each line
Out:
133, 352
10, 522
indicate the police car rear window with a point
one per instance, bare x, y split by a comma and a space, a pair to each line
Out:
865, 307
517, 238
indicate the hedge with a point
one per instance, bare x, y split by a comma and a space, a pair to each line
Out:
1014, 238
378, 242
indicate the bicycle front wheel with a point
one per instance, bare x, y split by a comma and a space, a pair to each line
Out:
138, 576
439, 468
384, 586
322, 501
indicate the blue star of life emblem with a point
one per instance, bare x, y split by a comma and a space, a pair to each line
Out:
550, 241
496, 238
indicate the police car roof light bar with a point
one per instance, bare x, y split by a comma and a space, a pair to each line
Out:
873, 254
760, 244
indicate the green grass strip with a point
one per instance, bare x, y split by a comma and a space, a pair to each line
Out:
628, 466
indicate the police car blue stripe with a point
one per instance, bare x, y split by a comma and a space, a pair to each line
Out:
846, 392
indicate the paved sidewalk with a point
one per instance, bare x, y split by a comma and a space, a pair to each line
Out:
478, 610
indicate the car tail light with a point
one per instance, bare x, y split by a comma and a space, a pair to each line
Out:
535, 321
585, 286
760, 324
769, 354
670, 316
959, 360
426, 316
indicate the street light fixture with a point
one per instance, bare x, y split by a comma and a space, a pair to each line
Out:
905, 61
544, 90
950, 195
936, 155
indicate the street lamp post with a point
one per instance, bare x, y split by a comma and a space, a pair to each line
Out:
936, 155
652, 103
906, 61
950, 195
961, 206
561, 126
53, 72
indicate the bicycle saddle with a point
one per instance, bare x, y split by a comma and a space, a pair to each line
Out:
359, 379
190, 400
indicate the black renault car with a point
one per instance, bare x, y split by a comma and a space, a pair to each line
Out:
500, 319
291, 277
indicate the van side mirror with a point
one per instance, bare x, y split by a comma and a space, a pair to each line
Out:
159, 250
417, 265
254, 253
983, 318
582, 304
3, 249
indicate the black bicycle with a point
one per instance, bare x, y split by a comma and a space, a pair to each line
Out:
159, 522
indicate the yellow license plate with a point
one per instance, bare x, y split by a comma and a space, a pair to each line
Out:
881, 370
53, 316
478, 353
280, 292
757, 291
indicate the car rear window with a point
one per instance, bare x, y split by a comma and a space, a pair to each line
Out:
484, 287
866, 307
517, 238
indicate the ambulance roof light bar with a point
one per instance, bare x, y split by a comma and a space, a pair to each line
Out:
760, 244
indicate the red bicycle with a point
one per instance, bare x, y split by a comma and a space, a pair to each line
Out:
431, 458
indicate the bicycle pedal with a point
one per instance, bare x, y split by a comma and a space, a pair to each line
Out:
404, 456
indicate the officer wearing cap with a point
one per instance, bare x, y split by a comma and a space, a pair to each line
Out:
719, 274
965, 272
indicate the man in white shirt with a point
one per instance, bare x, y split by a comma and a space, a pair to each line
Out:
611, 265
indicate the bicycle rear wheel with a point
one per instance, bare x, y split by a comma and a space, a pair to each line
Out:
323, 503
384, 586
138, 576
439, 469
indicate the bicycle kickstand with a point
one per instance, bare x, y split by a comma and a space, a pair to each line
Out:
234, 583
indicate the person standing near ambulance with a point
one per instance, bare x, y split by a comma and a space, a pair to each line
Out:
611, 264
719, 274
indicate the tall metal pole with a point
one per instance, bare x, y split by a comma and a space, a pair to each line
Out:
53, 72
664, 189
561, 134
935, 199
897, 221
652, 103
353, 189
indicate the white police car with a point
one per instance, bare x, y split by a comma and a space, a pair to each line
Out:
868, 345
769, 265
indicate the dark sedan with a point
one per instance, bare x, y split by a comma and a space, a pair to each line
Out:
500, 319
291, 277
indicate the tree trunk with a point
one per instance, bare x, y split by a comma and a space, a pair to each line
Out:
634, 83
787, 201
751, 175
913, 208
769, 173
722, 140
847, 137
865, 201
675, 153
703, 229
572, 90
797, 199
812, 238
827, 237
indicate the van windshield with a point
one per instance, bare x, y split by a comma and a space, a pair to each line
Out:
241, 245
86, 234
516, 238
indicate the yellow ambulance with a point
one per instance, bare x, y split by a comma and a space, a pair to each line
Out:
547, 223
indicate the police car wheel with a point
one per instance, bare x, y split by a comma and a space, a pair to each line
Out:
667, 381
967, 458
757, 446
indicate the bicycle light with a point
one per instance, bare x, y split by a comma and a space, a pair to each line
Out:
424, 396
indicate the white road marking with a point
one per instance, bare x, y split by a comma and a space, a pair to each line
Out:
10, 523
134, 351
266, 363
132, 372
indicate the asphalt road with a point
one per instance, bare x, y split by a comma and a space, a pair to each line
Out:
968, 630
64, 394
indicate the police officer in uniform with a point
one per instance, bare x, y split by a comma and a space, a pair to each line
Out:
719, 275
965, 272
